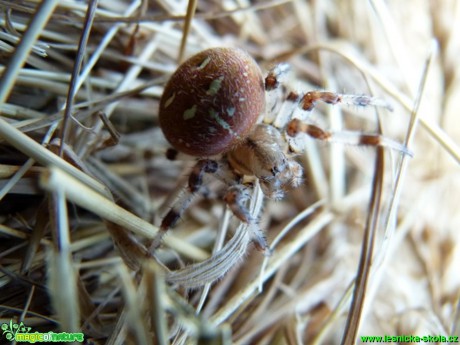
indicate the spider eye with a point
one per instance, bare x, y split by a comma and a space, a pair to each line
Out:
212, 101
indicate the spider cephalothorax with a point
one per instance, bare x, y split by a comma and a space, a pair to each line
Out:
213, 108
263, 154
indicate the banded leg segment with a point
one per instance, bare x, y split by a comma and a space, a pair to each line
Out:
308, 100
284, 104
236, 198
296, 126
277, 75
195, 181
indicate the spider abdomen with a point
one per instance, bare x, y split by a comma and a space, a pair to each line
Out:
212, 102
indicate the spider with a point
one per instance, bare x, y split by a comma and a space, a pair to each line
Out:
218, 107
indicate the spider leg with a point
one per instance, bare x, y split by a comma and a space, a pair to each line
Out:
308, 100
294, 108
300, 104
236, 198
276, 93
296, 126
284, 104
277, 75
195, 182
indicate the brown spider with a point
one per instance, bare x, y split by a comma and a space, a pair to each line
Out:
218, 107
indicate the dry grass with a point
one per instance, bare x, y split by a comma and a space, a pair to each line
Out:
98, 70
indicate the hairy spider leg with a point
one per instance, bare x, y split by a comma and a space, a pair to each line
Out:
236, 198
309, 100
277, 76
306, 103
195, 181
296, 126
275, 94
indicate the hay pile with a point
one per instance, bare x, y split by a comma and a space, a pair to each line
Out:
79, 91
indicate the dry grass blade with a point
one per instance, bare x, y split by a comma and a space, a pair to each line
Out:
367, 259
44, 10
134, 314
155, 292
62, 282
57, 180
284, 255
187, 23
367, 252
44, 156
91, 11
